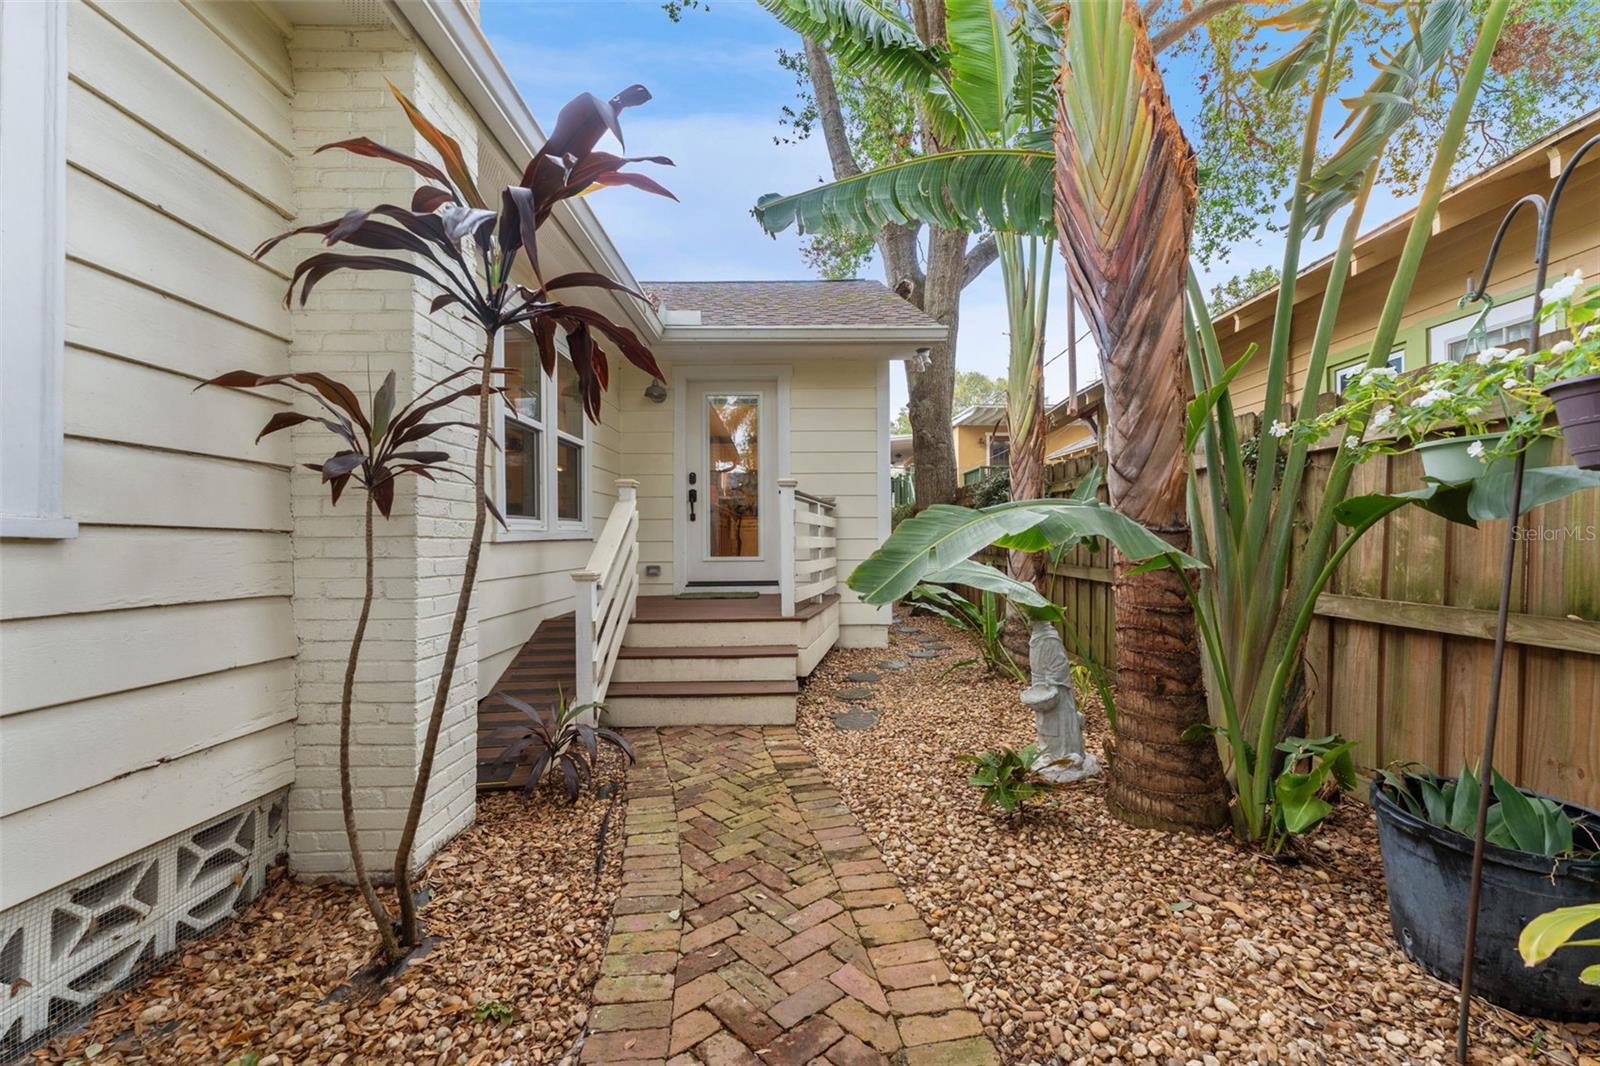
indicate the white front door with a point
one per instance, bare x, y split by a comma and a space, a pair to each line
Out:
732, 484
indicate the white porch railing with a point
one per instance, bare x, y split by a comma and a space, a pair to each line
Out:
608, 589
808, 554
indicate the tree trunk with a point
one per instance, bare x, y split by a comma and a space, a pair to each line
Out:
1158, 779
936, 292
1128, 260
441, 698
380, 913
1026, 461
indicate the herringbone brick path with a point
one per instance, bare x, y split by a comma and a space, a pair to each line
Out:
758, 925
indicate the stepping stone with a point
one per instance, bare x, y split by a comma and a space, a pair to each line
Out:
854, 694
892, 664
926, 638
863, 675
857, 721
926, 654
936, 645
904, 628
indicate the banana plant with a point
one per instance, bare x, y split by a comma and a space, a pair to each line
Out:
986, 88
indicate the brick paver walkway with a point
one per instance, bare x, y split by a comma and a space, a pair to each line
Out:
758, 925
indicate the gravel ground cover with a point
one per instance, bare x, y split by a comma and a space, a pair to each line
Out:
519, 920
1079, 939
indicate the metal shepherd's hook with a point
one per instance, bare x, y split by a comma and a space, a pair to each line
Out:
1545, 215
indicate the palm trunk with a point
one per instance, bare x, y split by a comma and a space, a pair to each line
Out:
1125, 234
1158, 779
441, 697
380, 913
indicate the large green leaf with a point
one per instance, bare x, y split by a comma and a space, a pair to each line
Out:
945, 534
1553, 930
982, 61
1002, 189
1491, 493
1325, 23
1384, 108
990, 579
867, 36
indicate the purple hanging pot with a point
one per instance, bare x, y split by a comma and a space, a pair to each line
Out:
1577, 403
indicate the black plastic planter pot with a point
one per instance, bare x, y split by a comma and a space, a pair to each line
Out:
1428, 871
1577, 403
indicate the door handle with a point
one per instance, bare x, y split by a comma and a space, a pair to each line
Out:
694, 495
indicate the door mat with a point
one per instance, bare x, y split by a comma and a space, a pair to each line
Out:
736, 595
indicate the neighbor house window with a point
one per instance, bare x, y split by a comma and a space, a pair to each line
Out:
1508, 325
544, 442
999, 449
33, 94
1343, 376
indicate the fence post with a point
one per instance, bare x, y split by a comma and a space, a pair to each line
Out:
786, 487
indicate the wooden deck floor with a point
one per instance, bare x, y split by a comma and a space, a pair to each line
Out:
766, 607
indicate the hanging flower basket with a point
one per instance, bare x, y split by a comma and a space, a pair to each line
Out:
1455, 459
1577, 403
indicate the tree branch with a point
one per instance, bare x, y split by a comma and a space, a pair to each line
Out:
979, 256
1175, 30
829, 113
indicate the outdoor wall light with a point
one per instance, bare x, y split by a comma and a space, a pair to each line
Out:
655, 392
922, 360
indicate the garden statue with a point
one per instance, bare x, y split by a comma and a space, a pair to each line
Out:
1055, 709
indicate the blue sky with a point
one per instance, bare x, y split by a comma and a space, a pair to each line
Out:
718, 96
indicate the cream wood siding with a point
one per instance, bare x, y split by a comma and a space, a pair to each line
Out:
1449, 259
149, 680
521, 583
838, 426
837, 437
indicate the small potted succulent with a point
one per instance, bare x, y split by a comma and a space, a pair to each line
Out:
1445, 412
1570, 375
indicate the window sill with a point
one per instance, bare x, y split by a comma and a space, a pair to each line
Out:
514, 535
15, 527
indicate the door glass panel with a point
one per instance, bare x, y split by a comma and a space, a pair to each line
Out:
733, 484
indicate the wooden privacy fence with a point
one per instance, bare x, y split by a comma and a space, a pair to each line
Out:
1398, 656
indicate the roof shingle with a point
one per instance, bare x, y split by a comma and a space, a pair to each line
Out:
855, 302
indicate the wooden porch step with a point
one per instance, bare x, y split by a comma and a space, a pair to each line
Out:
622, 689
748, 651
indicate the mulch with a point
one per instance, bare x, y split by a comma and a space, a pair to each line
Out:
1079, 939
517, 916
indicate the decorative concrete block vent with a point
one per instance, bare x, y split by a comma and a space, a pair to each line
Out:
63, 950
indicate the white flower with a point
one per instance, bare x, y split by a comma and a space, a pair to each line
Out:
1433, 396
1278, 429
1564, 289
1352, 443
1381, 416
1562, 347
1496, 355
1376, 372
1475, 449
1590, 332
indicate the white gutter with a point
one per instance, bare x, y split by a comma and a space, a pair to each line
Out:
456, 40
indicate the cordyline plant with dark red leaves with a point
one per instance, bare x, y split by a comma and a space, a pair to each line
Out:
468, 251
374, 452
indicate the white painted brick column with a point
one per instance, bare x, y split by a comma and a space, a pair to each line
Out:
358, 327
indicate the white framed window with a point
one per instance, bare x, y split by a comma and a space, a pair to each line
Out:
544, 445
33, 93
999, 449
1507, 325
1346, 374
